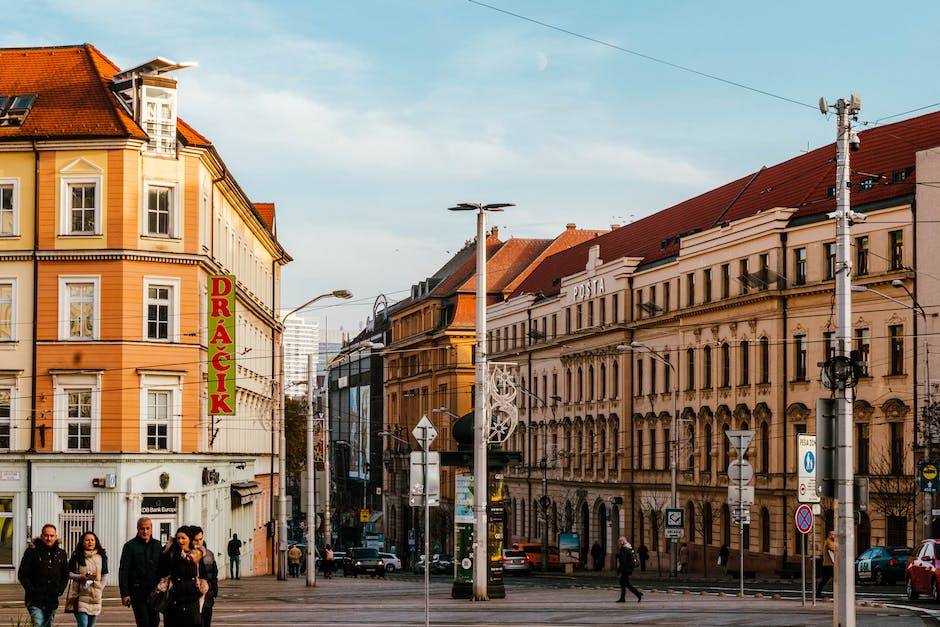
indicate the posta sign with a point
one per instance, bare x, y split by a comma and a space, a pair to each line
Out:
221, 345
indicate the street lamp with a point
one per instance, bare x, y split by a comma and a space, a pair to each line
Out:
674, 458
928, 431
282, 462
480, 414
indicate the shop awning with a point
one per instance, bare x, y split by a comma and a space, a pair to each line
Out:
245, 492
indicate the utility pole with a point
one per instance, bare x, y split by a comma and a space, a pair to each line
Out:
844, 584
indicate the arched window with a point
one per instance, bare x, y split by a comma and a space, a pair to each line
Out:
603, 382
690, 462
725, 446
725, 365
580, 384
590, 383
615, 380
690, 369
707, 523
568, 395
744, 362
764, 530
615, 442
725, 524
707, 448
764, 360
690, 522
764, 447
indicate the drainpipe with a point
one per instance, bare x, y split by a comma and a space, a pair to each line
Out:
628, 396
34, 349
785, 321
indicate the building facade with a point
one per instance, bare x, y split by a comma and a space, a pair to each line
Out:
115, 213
301, 338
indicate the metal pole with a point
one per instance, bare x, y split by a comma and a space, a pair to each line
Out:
803, 566
845, 527
928, 431
311, 479
543, 502
327, 466
427, 533
282, 476
814, 560
675, 455
480, 487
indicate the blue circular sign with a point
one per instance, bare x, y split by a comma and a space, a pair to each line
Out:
804, 518
809, 461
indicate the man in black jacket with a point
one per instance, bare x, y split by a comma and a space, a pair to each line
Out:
44, 573
208, 570
625, 564
138, 573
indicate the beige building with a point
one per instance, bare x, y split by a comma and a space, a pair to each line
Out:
730, 297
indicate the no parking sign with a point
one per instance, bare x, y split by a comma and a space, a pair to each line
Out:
804, 519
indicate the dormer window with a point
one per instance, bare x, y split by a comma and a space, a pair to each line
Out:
14, 109
159, 119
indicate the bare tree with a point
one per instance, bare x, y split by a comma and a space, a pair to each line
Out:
706, 511
654, 503
892, 494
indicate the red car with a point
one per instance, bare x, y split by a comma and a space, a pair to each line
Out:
923, 571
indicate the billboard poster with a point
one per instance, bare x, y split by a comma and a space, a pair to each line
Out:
463, 498
221, 334
354, 439
365, 442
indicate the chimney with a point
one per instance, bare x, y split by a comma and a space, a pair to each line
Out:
571, 226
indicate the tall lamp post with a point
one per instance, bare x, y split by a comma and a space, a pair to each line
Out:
928, 431
674, 458
282, 455
480, 415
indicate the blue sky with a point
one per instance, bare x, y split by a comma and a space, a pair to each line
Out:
363, 120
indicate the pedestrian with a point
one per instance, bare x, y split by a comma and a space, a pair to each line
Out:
180, 563
328, 562
208, 570
684, 558
234, 556
597, 554
644, 554
625, 563
88, 572
43, 573
137, 573
830, 550
723, 554
293, 560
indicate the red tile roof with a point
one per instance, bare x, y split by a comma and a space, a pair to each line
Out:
266, 211
802, 182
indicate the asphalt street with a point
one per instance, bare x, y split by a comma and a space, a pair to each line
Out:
530, 602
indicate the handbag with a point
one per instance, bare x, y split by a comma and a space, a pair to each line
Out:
159, 597
71, 602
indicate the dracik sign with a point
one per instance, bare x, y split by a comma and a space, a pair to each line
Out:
221, 345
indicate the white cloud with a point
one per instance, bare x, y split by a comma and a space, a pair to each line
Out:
325, 55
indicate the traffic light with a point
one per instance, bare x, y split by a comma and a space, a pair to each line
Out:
826, 413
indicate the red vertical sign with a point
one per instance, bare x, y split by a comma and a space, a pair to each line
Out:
221, 325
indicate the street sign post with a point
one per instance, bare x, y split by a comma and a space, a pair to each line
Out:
804, 518
740, 471
928, 477
675, 518
741, 495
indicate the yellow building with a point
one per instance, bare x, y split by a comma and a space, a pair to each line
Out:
113, 214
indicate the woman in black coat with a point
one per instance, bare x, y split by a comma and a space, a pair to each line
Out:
180, 562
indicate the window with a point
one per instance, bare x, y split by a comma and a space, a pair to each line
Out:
615, 308
160, 210
707, 448
7, 323
744, 361
652, 376
862, 448
14, 109
799, 270
690, 289
896, 349
639, 377
764, 260
567, 320
7, 523
863, 346
159, 119
577, 316
654, 454
707, 284
897, 448
615, 380
6, 414
158, 420
78, 424
897, 250
725, 280
829, 345
861, 255
639, 449
9, 207
744, 269
667, 296
799, 358
602, 314
707, 367
764, 448
690, 369
725, 365
830, 250
81, 199
590, 383
667, 372
764, 360
590, 313
161, 314
603, 382
580, 384
78, 308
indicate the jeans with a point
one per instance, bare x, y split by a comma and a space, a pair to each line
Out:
85, 620
234, 565
41, 617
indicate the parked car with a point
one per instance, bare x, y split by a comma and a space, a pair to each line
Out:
517, 562
442, 565
882, 564
392, 563
923, 571
363, 561
534, 551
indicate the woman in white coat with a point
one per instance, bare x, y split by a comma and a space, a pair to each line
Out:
88, 574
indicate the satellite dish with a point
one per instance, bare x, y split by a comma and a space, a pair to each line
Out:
823, 106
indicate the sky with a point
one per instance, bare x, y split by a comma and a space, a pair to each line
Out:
364, 120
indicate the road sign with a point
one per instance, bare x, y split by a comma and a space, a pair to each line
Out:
740, 471
740, 440
416, 497
804, 518
928, 477
675, 518
424, 432
741, 516
806, 475
363, 515
738, 494
674, 532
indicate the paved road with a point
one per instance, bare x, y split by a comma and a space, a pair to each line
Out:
399, 602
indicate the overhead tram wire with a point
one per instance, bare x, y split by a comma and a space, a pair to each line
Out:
644, 56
